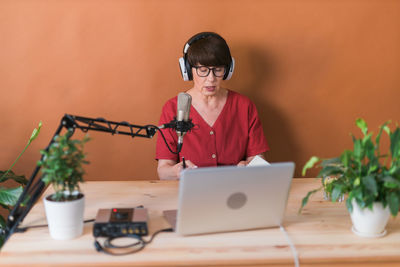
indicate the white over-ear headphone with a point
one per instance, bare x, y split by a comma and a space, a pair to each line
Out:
186, 68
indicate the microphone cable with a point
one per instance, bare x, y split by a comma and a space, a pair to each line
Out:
24, 229
137, 246
163, 137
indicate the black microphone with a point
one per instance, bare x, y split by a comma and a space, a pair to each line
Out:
181, 123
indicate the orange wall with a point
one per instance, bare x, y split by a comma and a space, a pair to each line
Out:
311, 67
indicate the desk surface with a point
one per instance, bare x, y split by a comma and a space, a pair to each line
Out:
322, 235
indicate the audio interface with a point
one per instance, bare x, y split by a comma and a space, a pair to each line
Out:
117, 222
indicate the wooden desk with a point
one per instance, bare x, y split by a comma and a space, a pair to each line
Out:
321, 234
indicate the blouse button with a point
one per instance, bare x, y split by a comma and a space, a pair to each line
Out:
211, 132
213, 156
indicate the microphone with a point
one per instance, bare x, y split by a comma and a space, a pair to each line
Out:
182, 117
181, 122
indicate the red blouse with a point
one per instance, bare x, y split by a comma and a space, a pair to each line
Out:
236, 134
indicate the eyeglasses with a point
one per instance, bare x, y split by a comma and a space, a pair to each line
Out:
203, 71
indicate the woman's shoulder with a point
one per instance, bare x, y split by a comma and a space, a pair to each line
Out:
171, 103
168, 110
239, 98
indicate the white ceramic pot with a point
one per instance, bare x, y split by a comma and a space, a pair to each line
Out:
369, 223
65, 219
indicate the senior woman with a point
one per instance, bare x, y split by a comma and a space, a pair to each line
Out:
227, 128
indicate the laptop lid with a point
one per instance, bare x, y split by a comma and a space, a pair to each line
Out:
232, 198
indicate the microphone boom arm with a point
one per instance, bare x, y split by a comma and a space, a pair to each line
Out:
33, 191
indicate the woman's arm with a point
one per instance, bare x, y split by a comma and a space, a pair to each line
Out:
170, 170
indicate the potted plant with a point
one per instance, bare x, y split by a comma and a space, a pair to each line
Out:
9, 196
62, 167
369, 179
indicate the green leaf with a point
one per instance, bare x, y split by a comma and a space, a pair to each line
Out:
12, 176
357, 193
394, 203
35, 132
310, 163
331, 161
387, 129
346, 158
2, 222
370, 184
305, 199
336, 192
327, 183
362, 125
378, 137
33, 136
330, 170
358, 150
373, 165
9, 196
390, 182
369, 147
395, 171
349, 204
395, 143
2, 237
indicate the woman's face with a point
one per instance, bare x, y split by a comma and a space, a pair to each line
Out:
210, 84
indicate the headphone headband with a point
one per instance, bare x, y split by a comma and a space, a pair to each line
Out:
200, 36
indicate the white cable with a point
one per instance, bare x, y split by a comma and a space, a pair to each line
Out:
292, 247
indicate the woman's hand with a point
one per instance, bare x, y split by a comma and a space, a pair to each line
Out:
170, 170
248, 160
242, 163
189, 165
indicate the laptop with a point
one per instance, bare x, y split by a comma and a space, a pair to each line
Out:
221, 199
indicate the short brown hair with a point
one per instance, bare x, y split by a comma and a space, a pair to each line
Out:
208, 49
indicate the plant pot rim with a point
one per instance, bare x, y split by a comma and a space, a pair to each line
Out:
79, 197
354, 201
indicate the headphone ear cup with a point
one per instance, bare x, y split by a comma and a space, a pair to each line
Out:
184, 71
189, 70
229, 73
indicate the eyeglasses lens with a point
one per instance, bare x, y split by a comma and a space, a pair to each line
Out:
204, 71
